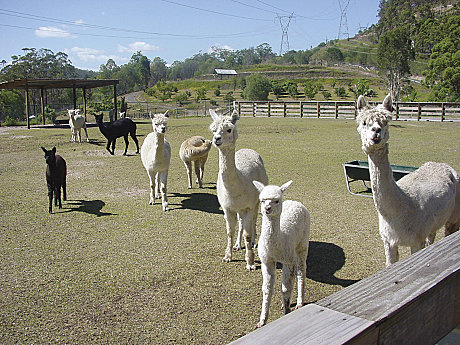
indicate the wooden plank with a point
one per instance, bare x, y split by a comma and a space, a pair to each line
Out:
311, 324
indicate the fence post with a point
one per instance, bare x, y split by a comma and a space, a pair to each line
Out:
397, 110
317, 109
268, 110
301, 109
419, 111
254, 109
336, 110
443, 111
284, 109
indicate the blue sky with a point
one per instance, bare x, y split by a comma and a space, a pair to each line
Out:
91, 32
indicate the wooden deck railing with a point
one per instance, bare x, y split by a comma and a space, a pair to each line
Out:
414, 301
346, 109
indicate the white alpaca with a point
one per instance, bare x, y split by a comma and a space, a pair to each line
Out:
284, 238
156, 156
77, 122
411, 210
195, 150
237, 195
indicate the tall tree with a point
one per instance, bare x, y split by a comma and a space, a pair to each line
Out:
393, 55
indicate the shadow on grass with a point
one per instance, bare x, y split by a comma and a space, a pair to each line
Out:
89, 206
324, 259
204, 202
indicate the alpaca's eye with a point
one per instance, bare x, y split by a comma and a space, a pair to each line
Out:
229, 130
277, 201
364, 123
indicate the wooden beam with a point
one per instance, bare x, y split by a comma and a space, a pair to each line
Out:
42, 104
115, 100
84, 102
414, 301
74, 97
27, 105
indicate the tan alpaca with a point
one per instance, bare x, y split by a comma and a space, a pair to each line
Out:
195, 150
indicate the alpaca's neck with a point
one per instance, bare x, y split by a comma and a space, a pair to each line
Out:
159, 144
270, 226
387, 195
227, 167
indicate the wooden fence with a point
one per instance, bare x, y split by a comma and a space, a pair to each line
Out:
347, 109
414, 301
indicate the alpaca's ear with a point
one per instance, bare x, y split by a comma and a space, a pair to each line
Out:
166, 113
388, 103
235, 117
259, 186
54, 149
44, 150
285, 186
361, 103
213, 114
150, 115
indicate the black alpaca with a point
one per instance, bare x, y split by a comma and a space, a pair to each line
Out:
117, 129
56, 172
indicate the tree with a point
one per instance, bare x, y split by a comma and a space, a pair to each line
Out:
277, 88
158, 70
393, 55
310, 89
257, 88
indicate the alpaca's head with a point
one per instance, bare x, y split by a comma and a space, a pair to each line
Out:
373, 123
99, 118
223, 129
73, 112
50, 155
271, 198
160, 122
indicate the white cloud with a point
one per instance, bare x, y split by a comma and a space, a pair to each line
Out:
95, 55
53, 32
219, 46
137, 46
79, 21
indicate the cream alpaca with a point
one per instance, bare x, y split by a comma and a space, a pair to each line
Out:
195, 150
411, 210
156, 156
76, 123
284, 238
237, 195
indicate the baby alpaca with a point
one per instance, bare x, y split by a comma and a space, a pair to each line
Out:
156, 156
195, 150
56, 172
412, 209
77, 122
284, 238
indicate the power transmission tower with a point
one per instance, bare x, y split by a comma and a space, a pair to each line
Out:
284, 23
343, 26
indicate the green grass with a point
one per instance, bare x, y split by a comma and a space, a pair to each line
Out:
110, 268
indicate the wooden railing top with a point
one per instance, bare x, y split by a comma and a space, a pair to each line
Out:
414, 301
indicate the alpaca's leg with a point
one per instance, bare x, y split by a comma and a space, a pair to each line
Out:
72, 139
110, 142
86, 132
247, 235
254, 226
239, 236
391, 253
152, 178
230, 223
202, 163
50, 197
430, 239
417, 247
57, 196
268, 276
198, 172
188, 167
451, 228
133, 136
126, 143
164, 196
79, 135
157, 188
64, 189
301, 267
286, 286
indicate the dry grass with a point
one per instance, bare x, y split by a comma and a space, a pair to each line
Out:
110, 268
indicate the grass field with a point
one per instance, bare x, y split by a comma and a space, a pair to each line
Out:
109, 268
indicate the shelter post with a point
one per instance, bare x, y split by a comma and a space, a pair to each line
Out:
27, 106
84, 101
115, 100
42, 104
74, 97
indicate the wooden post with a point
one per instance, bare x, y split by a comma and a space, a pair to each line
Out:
74, 97
419, 111
284, 109
42, 104
254, 109
336, 110
317, 109
84, 102
397, 110
443, 111
115, 100
27, 105
269, 109
301, 109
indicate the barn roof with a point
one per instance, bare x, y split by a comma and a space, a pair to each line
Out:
57, 83
226, 71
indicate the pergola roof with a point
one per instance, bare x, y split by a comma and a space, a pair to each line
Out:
57, 83
225, 71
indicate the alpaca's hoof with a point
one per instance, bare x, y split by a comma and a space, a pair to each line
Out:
165, 208
260, 324
298, 306
226, 259
152, 201
250, 267
237, 246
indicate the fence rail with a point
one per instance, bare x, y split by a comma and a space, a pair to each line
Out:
414, 301
442, 111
